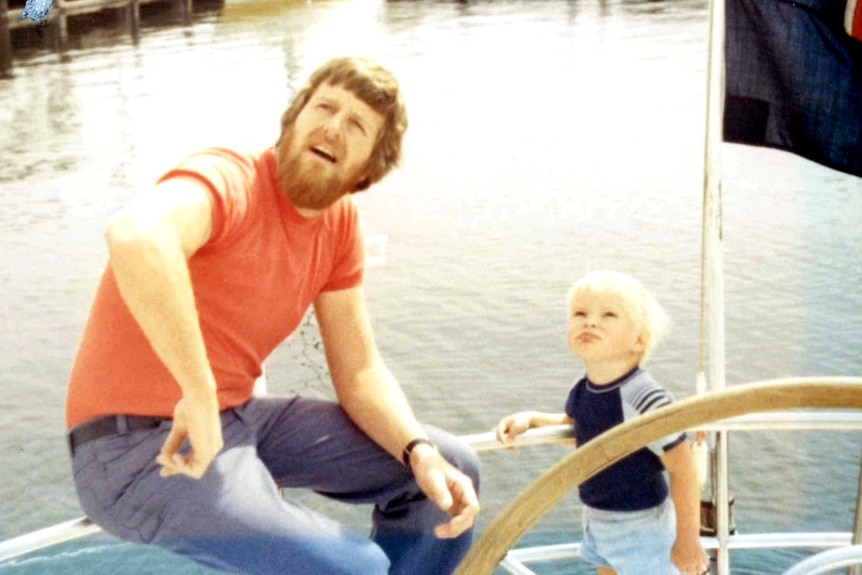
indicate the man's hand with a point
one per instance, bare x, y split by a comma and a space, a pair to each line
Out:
447, 487
198, 421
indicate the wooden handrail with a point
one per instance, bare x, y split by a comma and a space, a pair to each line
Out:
687, 414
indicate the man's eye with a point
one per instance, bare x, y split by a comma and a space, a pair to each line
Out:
358, 127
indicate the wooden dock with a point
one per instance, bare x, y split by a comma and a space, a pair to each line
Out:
63, 11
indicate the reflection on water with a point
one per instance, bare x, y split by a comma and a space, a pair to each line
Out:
547, 137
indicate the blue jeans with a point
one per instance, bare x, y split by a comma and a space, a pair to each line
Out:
234, 518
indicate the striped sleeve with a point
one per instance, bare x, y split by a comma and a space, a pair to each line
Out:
642, 396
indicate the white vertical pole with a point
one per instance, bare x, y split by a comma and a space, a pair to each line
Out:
857, 526
712, 320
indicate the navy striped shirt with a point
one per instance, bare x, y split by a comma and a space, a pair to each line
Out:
636, 482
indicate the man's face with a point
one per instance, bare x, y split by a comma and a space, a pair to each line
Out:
327, 150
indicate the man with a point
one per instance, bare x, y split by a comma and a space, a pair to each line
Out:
208, 273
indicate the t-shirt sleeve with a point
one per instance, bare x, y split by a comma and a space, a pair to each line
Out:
226, 177
348, 268
644, 396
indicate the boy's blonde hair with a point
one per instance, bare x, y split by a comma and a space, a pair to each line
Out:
647, 314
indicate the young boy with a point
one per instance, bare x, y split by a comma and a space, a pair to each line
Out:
630, 525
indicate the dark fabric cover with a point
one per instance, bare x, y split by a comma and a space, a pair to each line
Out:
794, 80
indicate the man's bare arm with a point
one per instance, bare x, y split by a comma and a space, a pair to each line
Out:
149, 243
372, 397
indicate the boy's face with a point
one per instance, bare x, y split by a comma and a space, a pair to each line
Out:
602, 329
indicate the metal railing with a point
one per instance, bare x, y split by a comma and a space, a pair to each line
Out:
828, 561
841, 552
722, 411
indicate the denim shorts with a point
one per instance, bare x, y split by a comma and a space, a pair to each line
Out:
631, 542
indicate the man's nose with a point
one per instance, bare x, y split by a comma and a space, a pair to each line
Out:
334, 126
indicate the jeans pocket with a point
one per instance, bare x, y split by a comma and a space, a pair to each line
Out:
117, 481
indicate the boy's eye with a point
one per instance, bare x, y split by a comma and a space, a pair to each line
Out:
610, 314
579, 314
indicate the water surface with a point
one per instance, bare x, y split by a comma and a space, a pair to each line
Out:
547, 138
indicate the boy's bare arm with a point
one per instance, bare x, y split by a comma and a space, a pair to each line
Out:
687, 554
514, 425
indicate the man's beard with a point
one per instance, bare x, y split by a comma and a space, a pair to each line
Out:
307, 187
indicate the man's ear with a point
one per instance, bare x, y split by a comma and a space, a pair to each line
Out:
363, 184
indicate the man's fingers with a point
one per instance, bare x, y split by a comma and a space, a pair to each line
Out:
438, 491
465, 495
190, 465
174, 440
459, 523
455, 527
174, 462
463, 506
170, 447
192, 443
179, 464
198, 464
452, 491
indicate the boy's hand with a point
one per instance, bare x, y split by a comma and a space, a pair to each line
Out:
512, 426
688, 556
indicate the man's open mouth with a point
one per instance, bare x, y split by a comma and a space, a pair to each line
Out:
324, 153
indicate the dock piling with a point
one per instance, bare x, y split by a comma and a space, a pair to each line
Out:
58, 18
5, 39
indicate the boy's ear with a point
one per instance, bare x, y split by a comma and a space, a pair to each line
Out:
640, 343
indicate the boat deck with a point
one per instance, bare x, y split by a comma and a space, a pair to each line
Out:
833, 550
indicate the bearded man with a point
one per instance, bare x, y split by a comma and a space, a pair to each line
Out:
208, 273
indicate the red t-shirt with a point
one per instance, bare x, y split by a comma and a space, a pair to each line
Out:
254, 280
